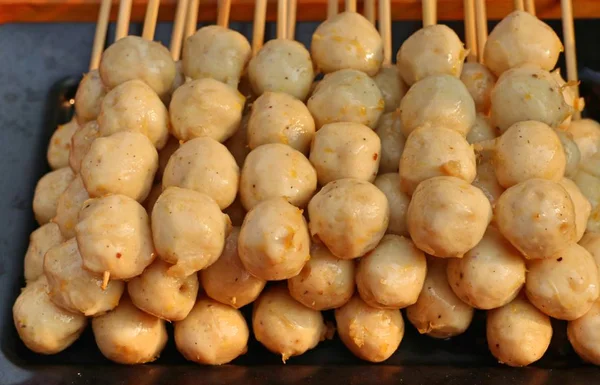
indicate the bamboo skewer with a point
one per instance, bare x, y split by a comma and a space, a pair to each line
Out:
369, 10
258, 27
292, 10
332, 8
385, 29
518, 4
530, 6
178, 27
481, 27
123, 19
470, 30
570, 51
150, 19
350, 5
192, 18
429, 12
282, 19
100, 35
223, 13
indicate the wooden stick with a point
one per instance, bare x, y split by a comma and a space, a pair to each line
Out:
123, 19
570, 51
150, 20
429, 12
282, 19
191, 21
258, 27
350, 5
481, 27
332, 8
470, 30
178, 26
385, 29
105, 278
369, 10
100, 35
530, 6
223, 13
518, 4
292, 10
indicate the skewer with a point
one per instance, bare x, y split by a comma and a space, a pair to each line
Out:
100, 35
570, 52
105, 279
369, 10
429, 12
178, 26
518, 4
258, 28
292, 9
332, 8
385, 29
123, 19
350, 5
223, 13
470, 30
530, 6
481, 27
150, 19
192, 18
282, 19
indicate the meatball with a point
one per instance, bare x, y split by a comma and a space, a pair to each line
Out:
572, 153
40, 241
347, 41
589, 185
438, 312
432, 50
586, 134
333, 212
326, 282
216, 52
89, 97
276, 170
370, 333
345, 150
47, 191
482, 130
398, 201
60, 145
81, 142
581, 206
127, 335
75, 289
189, 230
346, 96
583, 335
68, 206
285, 326
392, 140
392, 87
479, 81
438, 100
164, 155
206, 166
212, 334
282, 65
538, 217
205, 107
44, 327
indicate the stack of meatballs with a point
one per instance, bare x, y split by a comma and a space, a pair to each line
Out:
432, 186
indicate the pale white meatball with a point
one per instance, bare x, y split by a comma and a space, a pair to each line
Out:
212, 334
398, 201
538, 217
123, 163
40, 241
586, 134
564, 286
591, 242
392, 275
568, 91
68, 206
282, 65
80, 143
347, 40
572, 153
439, 100
60, 145
581, 205
486, 180
527, 93
584, 337
274, 243
133, 57
438, 312
216, 52
433, 50
326, 282
134, 106
432, 151
163, 295
113, 235
42, 326
47, 191
278, 117
89, 97
188, 229
349, 216
447, 216
206, 166
392, 87
205, 107
276, 170
589, 185
482, 130
165, 154
490, 275
346, 96
284, 326
370, 333
75, 289
227, 280
389, 130
521, 38
479, 81
127, 335
345, 150
518, 334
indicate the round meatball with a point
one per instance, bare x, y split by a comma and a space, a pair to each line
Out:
274, 243
447, 216
345, 150
205, 107
347, 40
333, 214
134, 106
346, 96
189, 230
479, 81
75, 289
432, 50
482, 130
527, 93
206, 166
278, 117
572, 153
128, 335
538, 217
123, 163
438, 100
81, 142
564, 286
392, 87
44, 327
47, 191
282, 65
113, 235
398, 201
586, 134
490, 275
389, 130
438, 312
40, 241
68, 206
133, 57
212, 334
60, 145
216, 52
581, 205
486, 180
164, 155
370, 333
89, 97
285, 326
432, 151
227, 280
584, 337
518, 334
326, 282
521, 38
